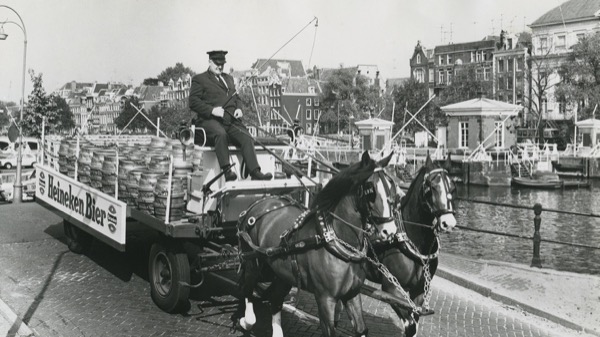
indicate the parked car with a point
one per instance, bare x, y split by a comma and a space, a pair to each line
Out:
7, 181
9, 160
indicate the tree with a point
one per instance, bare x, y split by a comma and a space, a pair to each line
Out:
64, 120
247, 98
174, 73
352, 94
468, 83
542, 76
4, 114
128, 112
412, 95
171, 119
150, 81
38, 107
580, 75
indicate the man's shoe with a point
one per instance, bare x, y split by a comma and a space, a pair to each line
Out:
257, 175
230, 175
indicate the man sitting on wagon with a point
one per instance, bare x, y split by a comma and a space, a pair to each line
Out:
215, 101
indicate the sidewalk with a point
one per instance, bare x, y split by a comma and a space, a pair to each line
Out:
569, 299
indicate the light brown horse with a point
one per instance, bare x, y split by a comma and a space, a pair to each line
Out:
320, 249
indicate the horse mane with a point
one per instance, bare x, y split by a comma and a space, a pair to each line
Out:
416, 183
343, 183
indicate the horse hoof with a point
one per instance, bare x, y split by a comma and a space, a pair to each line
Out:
410, 330
245, 325
277, 331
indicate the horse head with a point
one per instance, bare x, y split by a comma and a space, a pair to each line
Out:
380, 193
437, 194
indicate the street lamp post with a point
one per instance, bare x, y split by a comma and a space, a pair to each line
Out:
18, 186
351, 131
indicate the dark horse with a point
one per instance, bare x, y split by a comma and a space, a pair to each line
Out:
411, 255
320, 249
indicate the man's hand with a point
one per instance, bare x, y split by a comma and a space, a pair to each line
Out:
238, 113
218, 111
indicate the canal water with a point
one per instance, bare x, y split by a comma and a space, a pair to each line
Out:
554, 226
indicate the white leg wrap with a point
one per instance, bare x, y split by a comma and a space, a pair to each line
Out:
249, 319
276, 324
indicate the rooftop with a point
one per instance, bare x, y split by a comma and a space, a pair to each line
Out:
570, 11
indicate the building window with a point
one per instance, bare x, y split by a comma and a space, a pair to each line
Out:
479, 56
440, 59
308, 102
561, 42
509, 83
419, 75
449, 72
431, 76
311, 90
449, 58
441, 77
308, 113
472, 56
316, 102
500, 66
418, 58
463, 134
479, 74
543, 45
317, 114
499, 134
486, 74
500, 83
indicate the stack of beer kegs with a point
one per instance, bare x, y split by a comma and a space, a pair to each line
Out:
182, 166
83, 164
96, 169
126, 165
132, 185
109, 173
177, 205
146, 184
72, 158
64, 151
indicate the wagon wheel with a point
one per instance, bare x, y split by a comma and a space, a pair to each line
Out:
79, 242
167, 270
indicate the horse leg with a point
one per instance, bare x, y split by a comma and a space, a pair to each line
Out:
326, 305
338, 313
250, 279
410, 322
278, 291
354, 310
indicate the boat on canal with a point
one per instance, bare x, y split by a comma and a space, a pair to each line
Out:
547, 180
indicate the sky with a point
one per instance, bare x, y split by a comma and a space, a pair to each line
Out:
129, 40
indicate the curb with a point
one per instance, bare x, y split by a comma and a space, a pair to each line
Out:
488, 292
7, 313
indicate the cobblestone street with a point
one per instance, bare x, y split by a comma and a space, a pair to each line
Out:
106, 293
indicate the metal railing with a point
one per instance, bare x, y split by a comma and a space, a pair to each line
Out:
537, 220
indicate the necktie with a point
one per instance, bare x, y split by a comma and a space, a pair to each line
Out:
222, 81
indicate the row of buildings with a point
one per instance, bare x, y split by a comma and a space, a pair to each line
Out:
520, 68
283, 89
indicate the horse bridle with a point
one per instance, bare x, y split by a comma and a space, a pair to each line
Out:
427, 182
367, 192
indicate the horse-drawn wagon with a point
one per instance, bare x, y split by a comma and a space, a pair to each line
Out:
101, 186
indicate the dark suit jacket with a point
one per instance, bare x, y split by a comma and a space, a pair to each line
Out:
207, 92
